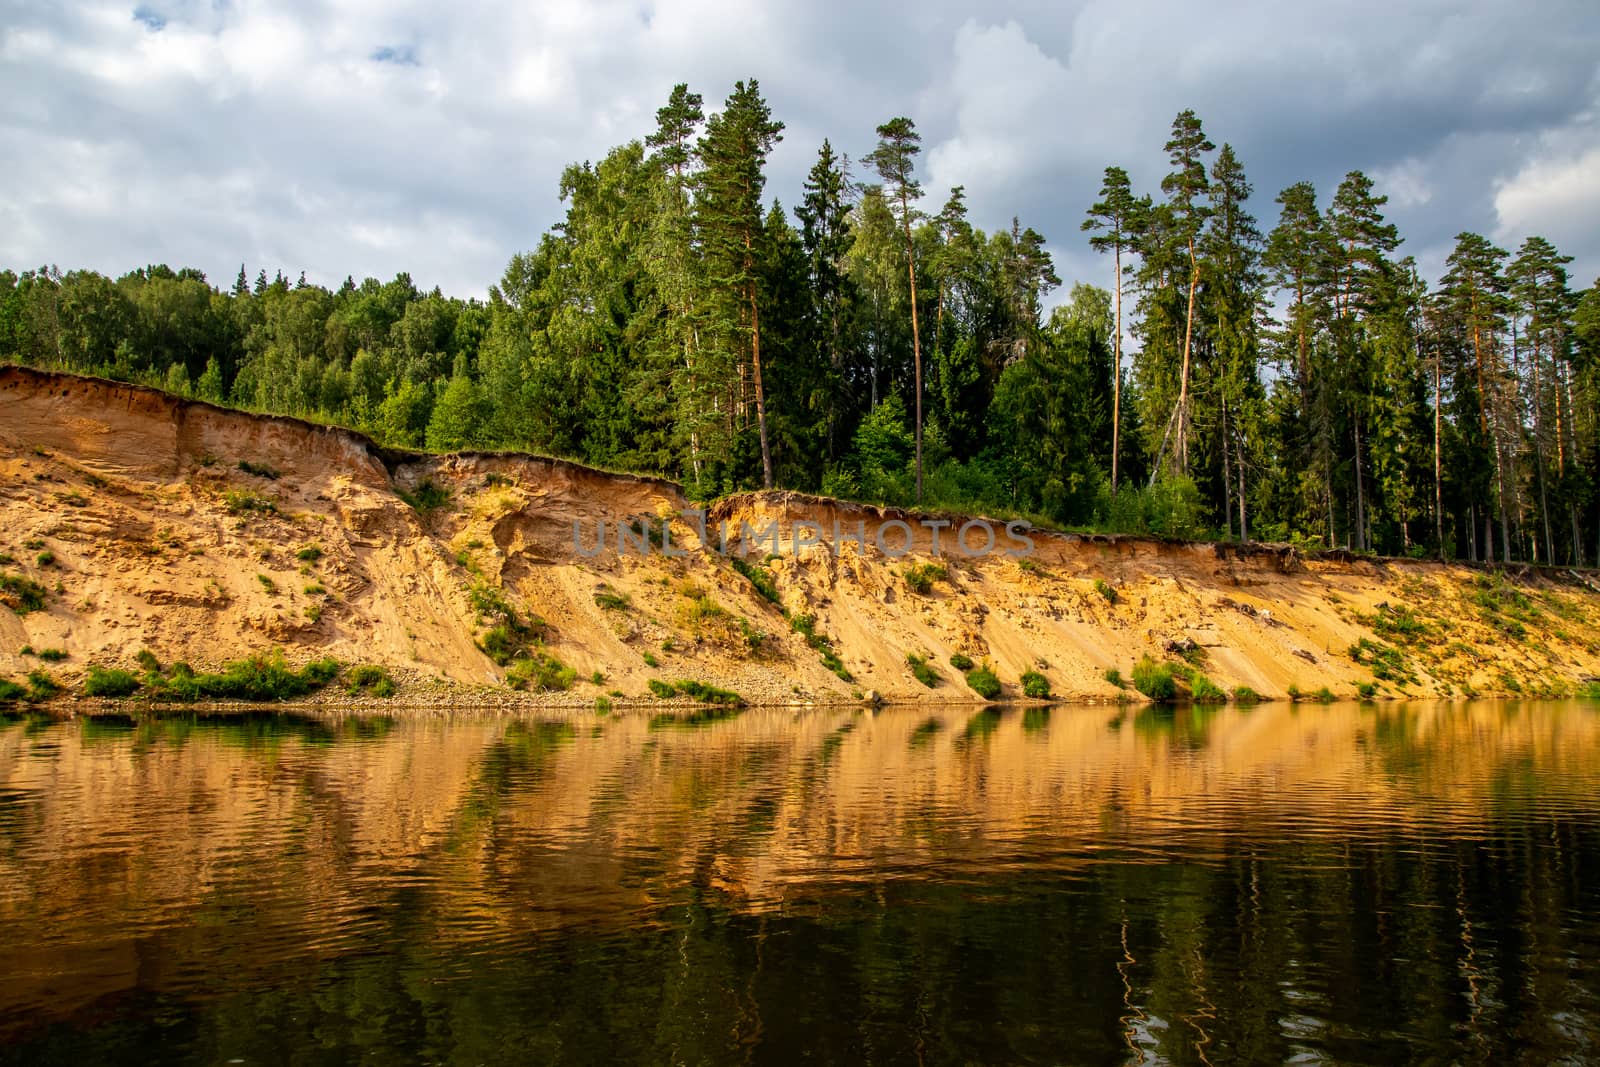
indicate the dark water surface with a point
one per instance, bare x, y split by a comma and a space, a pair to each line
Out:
1073, 885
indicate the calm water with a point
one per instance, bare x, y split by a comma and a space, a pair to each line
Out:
1344, 884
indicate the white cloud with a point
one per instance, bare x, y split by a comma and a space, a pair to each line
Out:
1558, 197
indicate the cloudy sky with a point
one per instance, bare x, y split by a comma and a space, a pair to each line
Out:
373, 136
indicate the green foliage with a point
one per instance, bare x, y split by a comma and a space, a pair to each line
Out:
806, 626
538, 670
664, 690
46, 558
921, 670
1203, 690
1154, 679
611, 600
371, 679
650, 660
707, 694
147, 660
309, 554
1367, 690
426, 498
20, 594
1387, 663
41, 685
246, 502
921, 576
1114, 676
268, 584
260, 470
11, 692
52, 655
984, 682
1035, 685
110, 683
1105, 591
961, 661
1325, 695
1244, 695
758, 576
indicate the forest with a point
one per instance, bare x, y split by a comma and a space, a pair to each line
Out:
1289, 377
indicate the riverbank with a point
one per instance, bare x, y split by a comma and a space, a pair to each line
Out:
133, 521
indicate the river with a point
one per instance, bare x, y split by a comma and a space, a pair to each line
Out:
1349, 883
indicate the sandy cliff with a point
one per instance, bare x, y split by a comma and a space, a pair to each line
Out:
131, 509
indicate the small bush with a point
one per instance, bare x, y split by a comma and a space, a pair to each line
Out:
46, 558
1294, 694
426, 498
115, 684
921, 576
20, 594
260, 470
759, 577
371, 679
1105, 591
1325, 695
309, 554
602, 705
41, 686
1367, 690
1589, 690
315, 589
984, 682
1243, 694
244, 502
1114, 676
919, 667
6, 558
650, 660
52, 655
961, 662
1154, 680
313, 612
540, 671
33, 544
708, 694
611, 600
661, 689
1035, 685
1203, 690
11, 692
806, 626
753, 638
268, 584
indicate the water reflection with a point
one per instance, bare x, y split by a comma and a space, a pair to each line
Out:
1349, 883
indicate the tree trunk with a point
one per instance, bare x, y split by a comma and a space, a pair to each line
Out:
1438, 479
1182, 447
1227, 477
1361, 507
761, 393
1116, 379
916, 336
1244, 524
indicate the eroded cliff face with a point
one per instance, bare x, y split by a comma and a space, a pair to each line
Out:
204, 534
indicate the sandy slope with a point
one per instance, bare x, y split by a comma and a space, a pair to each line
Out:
130, 489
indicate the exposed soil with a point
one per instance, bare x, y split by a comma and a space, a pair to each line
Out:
154, 537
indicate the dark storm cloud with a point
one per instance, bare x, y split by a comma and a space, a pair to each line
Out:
372, 137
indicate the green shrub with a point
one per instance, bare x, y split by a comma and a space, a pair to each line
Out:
1035, 685
260, 470
11, 692
41, 686
759, 577
33, 544
921, 576
1155, 680
650, 660
268, 584
708, 694
662, 689
540, 671
806, 626
1589, 690
1295, 694
1203, 690
309, 554
961, 661
426, 497
255, 678
371, 679
20, 594
1114, 676
243, 502
1105, 591
52, 655
1325, 695
611, 600
147, 660
1367, 690
602, 705
919, 667
116, 684
46, 558
984, 682
6, 558
1243, 694
753, 638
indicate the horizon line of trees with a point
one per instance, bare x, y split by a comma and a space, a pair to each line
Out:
676, 321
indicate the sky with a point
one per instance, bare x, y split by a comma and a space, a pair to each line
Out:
369, 137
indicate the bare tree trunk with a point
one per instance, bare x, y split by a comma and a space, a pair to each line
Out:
916, 335
761, 393
1227, 476
1182, 447
1244, 525
1438, 479
1361, 508
1116, 378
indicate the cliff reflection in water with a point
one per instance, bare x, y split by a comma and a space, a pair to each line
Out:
1068, 883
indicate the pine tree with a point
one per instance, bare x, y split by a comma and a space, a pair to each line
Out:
1114, 220
895, 161
825, 235
1185, 187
